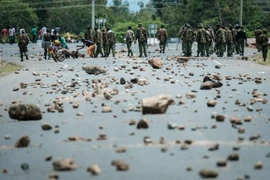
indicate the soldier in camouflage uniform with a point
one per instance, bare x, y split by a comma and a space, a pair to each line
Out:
142, 36
220, 41
89, 34
229, 41
162, 37
209, 41
105, 39
181, 32
23, 41
188, 38
112, 41
263, 40
201, 40
99, 42
130, 37
257, 34
241, 39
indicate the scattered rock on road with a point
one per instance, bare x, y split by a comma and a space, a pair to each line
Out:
22, 142
64, 165
156, 105
25, 112
208, 173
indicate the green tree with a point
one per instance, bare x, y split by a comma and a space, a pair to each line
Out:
22, 16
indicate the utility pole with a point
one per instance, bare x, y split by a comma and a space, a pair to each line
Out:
241, 13
93, 14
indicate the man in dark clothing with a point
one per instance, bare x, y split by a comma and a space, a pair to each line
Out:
241, 38
23, 41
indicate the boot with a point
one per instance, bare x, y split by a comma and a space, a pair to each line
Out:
26, 57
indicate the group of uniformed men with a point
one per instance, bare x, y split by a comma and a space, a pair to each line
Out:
232, 39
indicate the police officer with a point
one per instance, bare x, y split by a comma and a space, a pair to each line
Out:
22, 43
142, 36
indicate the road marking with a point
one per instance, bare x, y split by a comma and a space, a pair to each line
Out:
65, 65
218, 62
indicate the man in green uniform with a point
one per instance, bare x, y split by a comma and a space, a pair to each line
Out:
142, 36
130, 37
112, 41
201, 40
189, 36
163, 38
23, 41
105, 40
264, 43
257, 34
99, 42
229, 41
220, 41
89, 34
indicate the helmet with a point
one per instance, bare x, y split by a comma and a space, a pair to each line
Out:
56, 42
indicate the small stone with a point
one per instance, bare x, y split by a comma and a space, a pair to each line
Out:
64, 165
171, 125
46, 127
222, 163
23, 142
142, 124
4, 171
25, 166
75, 105
214, 147
184, 147
120, 166
233, 157
53, 176
220, 118
258, 165
208, 173
211, 103
48, 158
121, 150
181, 127
248, 119
7, 137
147, 140
94, 170
132, 122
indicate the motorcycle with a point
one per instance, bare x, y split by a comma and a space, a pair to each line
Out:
60, 54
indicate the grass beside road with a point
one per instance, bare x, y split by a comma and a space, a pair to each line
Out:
7, 68
258, 59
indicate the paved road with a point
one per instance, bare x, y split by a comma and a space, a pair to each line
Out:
146, 161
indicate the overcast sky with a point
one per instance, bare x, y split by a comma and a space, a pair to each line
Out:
133, 4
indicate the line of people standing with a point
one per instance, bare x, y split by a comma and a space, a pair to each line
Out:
100, 41
211, 41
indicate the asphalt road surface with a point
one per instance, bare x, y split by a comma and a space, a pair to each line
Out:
185, 150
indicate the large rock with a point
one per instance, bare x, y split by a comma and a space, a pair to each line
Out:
25, 112
156, 105
156, 63
94, 70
